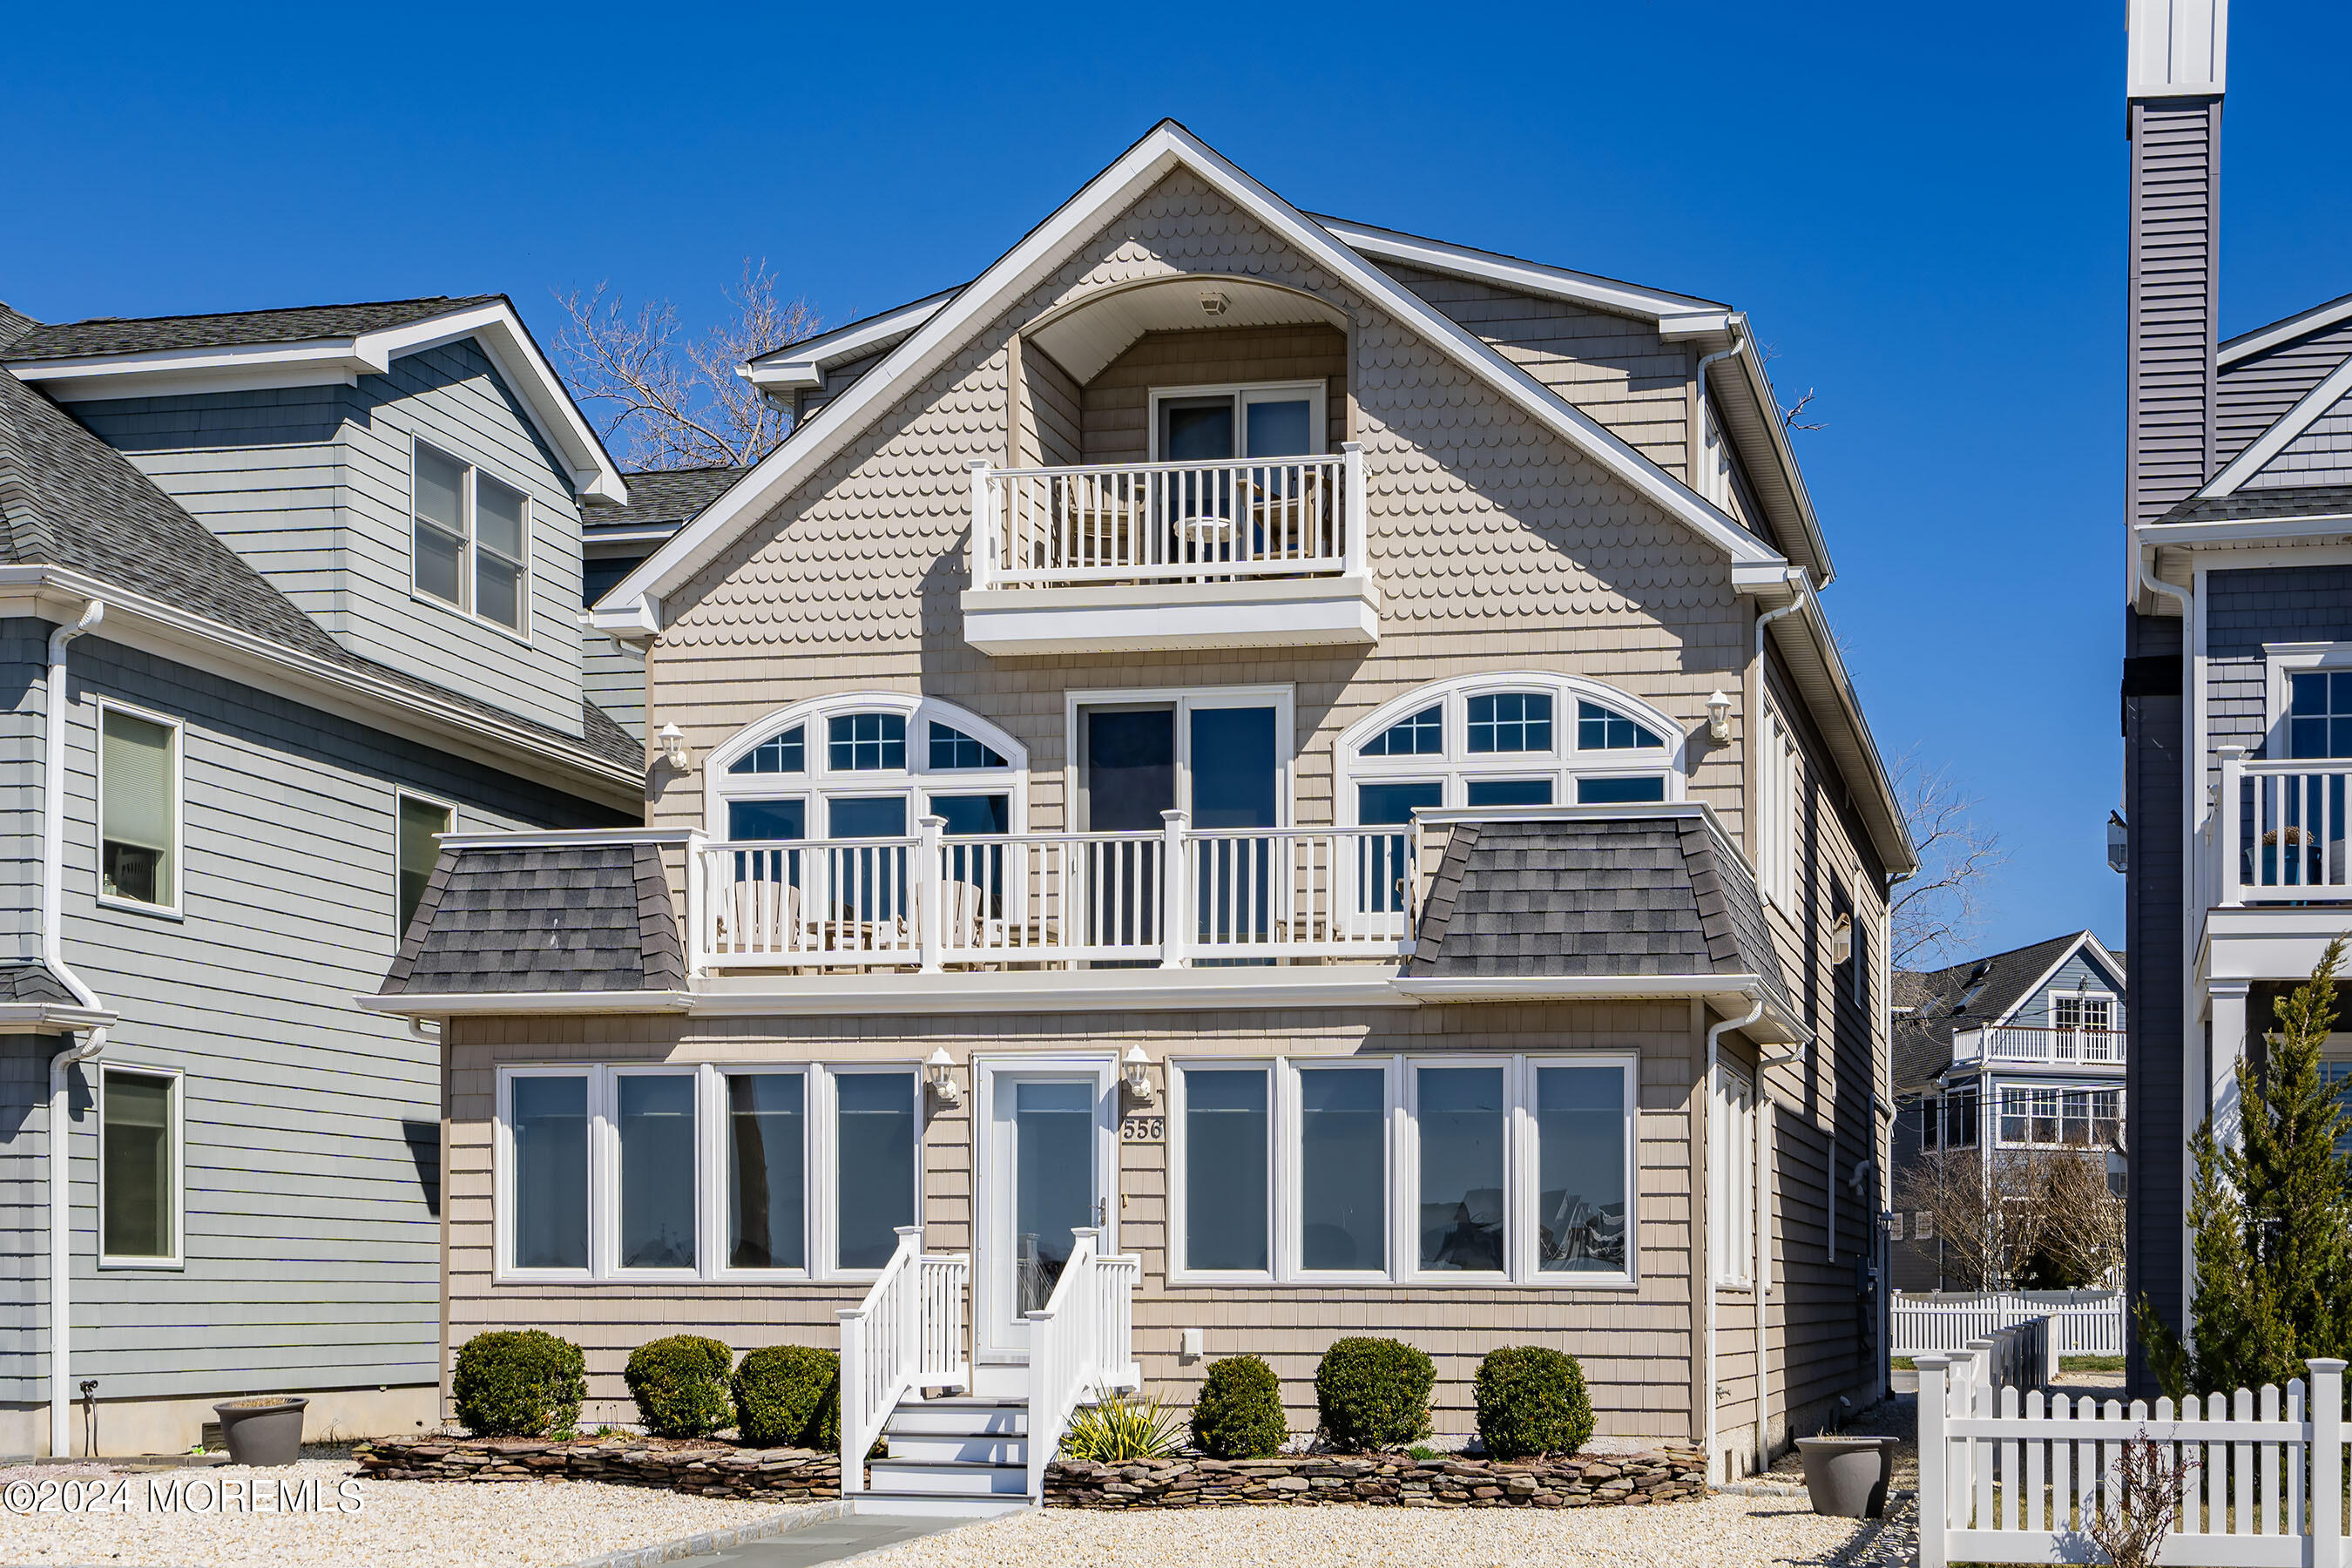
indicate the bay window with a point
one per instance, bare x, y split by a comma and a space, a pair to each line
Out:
547, 1171
1458, 1116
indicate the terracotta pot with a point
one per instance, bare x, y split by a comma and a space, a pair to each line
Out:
1848, 1477
267, 1433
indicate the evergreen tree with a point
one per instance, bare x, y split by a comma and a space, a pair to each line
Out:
2270, 1217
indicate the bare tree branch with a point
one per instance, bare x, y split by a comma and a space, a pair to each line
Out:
1788, 419
679, 405
2008, 1216
1936, 912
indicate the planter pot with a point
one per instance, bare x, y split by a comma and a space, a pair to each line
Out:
1848, 1477
262, 1431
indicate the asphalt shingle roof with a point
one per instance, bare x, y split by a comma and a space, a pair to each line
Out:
1600, 897
301, 323
1962, 997
591, 917
35, 983
2298, 500
67, 499
659, 497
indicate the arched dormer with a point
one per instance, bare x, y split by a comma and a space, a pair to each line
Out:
866, 764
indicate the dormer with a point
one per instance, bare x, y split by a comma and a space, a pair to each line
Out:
410, 473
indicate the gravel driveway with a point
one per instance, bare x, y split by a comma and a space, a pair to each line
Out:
1722, 1531
520, 1524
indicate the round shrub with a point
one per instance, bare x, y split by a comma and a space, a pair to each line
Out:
518, 1383
1373, 1395
1239, 1413
680, 1385
1532, 1400
788, 1397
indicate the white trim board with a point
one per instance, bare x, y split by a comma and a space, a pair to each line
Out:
2302, 324
2279, 437
634, 604
802, 366
495, 326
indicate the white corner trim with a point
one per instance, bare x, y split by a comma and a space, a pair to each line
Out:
495, 326
2262, 339
2279, 437
1167, 146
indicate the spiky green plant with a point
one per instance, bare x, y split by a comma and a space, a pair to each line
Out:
1126, 1426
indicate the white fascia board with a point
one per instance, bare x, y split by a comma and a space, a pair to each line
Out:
510, 347
2057, 964
567, 837
2274, 440
1524, 276
2262, 339
1167, 146
138, 621
802, 365
1729, 995
1757, 384
2243, 530
1873, 791
473, 1004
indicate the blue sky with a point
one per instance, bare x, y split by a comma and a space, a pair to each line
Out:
1921, 207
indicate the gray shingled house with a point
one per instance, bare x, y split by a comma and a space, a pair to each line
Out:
2237, 675
289, 593
2020, 1051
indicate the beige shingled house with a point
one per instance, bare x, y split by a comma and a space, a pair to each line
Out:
1240, 779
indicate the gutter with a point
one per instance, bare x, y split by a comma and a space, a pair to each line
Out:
1706, 1266
61, 1066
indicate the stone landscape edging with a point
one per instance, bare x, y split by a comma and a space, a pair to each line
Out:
721, 1470
1394, 1480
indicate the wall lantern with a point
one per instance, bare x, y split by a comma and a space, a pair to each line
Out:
1719, 717
1139, 1073
1842, 941
941, 1071
673, 747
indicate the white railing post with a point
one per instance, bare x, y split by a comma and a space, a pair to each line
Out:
983, 526
1175, 882
1934, 1513
2230, 891
2326, 1493
928, 883
1352, 553
697, 902
853, 1399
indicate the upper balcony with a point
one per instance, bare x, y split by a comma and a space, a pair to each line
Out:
2040, 1047
1121, 557
2281, 828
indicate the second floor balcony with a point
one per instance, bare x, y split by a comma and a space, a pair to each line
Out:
2036, 1044
1117, 557
2279, 828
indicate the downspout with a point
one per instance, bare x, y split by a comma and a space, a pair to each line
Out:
1707, 1265
61, 1066
1734, 327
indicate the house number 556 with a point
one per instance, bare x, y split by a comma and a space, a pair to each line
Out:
1143, 1130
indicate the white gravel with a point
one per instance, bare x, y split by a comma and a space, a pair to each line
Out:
1722, 1531
517, 1524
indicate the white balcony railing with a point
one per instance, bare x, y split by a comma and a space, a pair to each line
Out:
2280, 827
2023, 1043
908, 1334
932, 902
1167, 522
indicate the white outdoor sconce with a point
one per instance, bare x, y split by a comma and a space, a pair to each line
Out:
673, 747
1139, 1073
1719, 717
941, 1071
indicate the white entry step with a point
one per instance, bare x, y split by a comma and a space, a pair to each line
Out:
957, 1457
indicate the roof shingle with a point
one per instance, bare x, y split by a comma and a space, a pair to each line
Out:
589, 916
301, 323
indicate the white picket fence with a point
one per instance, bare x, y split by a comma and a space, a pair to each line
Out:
2007, 1476
2083, 1322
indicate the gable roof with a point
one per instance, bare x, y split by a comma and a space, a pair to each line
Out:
69, 500
2302, 324
2332, 396
634, 604
801, 365
311, 345
660, 499
1977, 993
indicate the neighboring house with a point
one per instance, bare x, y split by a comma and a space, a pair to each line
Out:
2019, 1052
1365, 822
325, 568
615, 539
2237, 679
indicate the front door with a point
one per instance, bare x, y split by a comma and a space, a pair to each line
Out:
1044, 1173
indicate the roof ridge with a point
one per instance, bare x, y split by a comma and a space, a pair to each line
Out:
275, 309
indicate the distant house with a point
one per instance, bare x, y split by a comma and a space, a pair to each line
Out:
326, 569
2023, 1050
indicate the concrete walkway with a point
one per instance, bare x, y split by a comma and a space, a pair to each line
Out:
834, 1540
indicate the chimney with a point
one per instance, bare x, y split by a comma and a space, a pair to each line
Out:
2178, 54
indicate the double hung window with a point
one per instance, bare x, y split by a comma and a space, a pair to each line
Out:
139, 1168
1505, 1170
137, 809
472, 540
619, 1172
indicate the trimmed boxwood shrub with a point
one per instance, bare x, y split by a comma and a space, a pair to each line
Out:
1532, 1400
680, 1385
1239, 1413
1373, 1395
521, 1382
788, 1397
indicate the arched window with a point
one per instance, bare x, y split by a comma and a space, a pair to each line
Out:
866, 765
1526, 738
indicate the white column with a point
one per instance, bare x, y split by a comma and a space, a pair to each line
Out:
983, 530
2226, 1002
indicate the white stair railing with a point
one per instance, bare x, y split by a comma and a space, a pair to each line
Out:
1081, 1345
906, 1334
